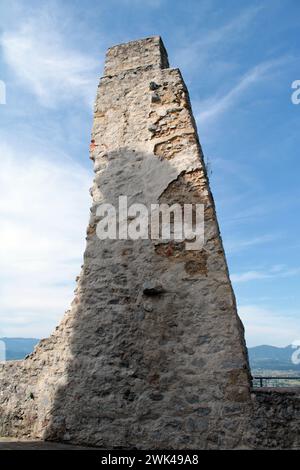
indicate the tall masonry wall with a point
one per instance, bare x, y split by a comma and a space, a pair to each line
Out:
151, 353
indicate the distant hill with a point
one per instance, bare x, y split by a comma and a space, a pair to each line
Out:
272, 358
261, 357
18, 348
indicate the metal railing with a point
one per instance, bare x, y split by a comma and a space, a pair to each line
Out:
259, 381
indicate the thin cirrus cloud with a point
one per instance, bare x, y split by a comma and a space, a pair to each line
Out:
213, 108
272, 273
229, 31
237, 245
42, 63
200, 49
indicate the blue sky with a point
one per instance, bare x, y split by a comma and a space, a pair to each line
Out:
239, 60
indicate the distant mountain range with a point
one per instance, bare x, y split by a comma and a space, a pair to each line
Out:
272, 358
260, 357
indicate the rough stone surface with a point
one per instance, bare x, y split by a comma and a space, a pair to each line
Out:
136, 54
276, 419
127, 369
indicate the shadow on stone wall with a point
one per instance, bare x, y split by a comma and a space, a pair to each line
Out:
166, 370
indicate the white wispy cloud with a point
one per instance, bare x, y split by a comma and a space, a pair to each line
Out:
42, 63
213, 108
271, 273
43, 210
248, 276
234, 245
200, 49
230, 30
264, 325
